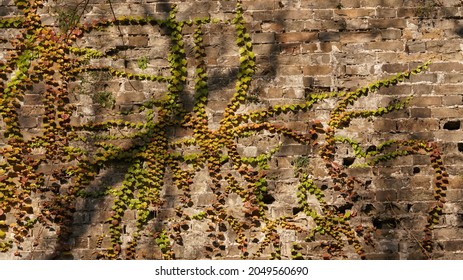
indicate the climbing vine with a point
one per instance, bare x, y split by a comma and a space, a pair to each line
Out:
42, 176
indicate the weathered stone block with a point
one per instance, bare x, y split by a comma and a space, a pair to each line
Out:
386, 13
328, 36
418, 125
409, 194
361, 70
386, 195
317, 70
387, 23
447, 67
395, 67
355, 13
259, 5
296, 37
428, 101
263, 38
351, 3
416, 47
391, 34
130, 97
423, 113
381, 3
28, 122
395, 46
138, 41
360, 37
328, 4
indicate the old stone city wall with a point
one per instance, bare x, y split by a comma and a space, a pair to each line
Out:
290, 129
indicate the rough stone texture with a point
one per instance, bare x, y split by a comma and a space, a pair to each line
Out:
303, 46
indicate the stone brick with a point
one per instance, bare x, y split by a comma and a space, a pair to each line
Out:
456, 182
138, 41
328, 36
313, 25
395, 46
288, 70
385, 125
358, 58
449, 12
420, 113
454, 195
292, 48
448, 89
299, 37
386, 57
33, 99
130, 97
400, 89
417, 125
163, 8
357, 24
205, 199
453, 78
263, 38
308, 82
406, 12
388, 23
422, 89
359, 37
453, 245
296, 15
414, 47
447, 67
327, 4
355, 13
386, 195
293, 149
391, 34
323, 15
386, 13
295, 26
280, 92
448, 136
409, 194
272, 27
351, 3
263, 16
333, 25
394, 67
449, 46
452, 100
259, 5
317, 70
319, 58
361, 70
329, 47
381, 3
428, 101
424, 77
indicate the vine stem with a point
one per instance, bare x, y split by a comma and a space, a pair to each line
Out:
76, 7
399, 222
118, 27
35, 241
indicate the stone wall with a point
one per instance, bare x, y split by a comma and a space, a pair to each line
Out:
302, 49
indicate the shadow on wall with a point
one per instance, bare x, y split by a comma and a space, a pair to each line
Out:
459, 31
94, 208
92, 211
218, 82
